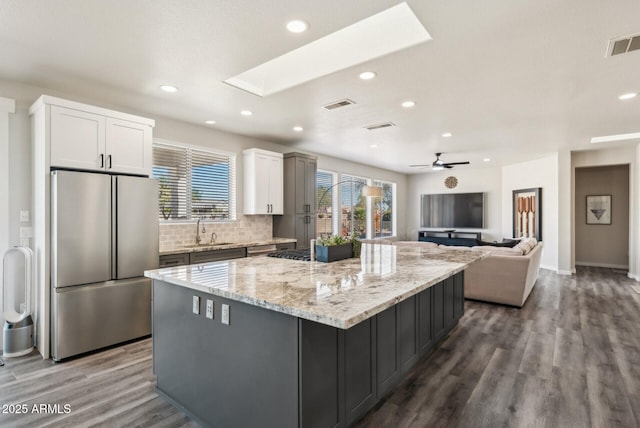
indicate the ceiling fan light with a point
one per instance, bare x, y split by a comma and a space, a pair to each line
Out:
437, 167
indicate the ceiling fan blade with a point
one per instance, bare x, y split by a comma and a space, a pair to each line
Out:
446, 165
417, 166
457, 163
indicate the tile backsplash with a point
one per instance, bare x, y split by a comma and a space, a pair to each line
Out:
245, 229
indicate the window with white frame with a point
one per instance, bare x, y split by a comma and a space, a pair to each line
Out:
194, 183
384, 215
353, 206
325, 182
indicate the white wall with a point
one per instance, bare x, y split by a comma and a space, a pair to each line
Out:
7, 106
487, 180
536, 173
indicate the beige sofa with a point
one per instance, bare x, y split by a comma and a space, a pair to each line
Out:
506, 276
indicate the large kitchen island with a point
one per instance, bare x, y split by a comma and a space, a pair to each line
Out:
300, 344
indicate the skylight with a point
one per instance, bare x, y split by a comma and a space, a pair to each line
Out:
389, 31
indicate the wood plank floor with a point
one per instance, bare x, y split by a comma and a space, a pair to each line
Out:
569, 358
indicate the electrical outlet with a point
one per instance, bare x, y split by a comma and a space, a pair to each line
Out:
26, 232
225, 314
209, 313
196, 305
24, 216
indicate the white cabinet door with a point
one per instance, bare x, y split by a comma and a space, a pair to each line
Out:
77, 139
128, 147
262, 175
276, 186
263, 182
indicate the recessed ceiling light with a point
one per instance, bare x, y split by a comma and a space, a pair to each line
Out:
297, 26
210, 122
408, 104
486, 160
168, 88
246, 112
627, 96
298, 128
373, 146
367, 75
447, 134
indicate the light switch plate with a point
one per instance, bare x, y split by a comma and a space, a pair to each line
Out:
209, 313
196, 305
225, 314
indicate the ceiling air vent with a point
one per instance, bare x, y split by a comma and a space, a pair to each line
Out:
623, 45
380, 126
339, 104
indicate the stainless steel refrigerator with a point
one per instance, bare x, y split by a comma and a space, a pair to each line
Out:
104, 235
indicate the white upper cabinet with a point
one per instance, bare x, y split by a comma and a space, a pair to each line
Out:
77, 139
96, 139
263, 182
128, 147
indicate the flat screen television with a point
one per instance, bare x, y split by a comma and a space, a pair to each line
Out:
452, 210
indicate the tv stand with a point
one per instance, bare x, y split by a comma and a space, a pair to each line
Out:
450, 237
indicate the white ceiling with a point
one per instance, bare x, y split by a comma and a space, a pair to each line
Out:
511, 80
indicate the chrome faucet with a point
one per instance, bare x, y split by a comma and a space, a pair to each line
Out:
198, 239
213, 237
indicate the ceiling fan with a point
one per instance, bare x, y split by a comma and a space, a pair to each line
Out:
439, 164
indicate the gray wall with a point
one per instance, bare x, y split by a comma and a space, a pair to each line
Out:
603, 245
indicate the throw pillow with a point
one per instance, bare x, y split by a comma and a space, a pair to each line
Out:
525, 246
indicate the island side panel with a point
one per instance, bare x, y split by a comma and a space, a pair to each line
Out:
241, 374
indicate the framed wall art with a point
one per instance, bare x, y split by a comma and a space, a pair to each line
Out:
598, 209
527, 213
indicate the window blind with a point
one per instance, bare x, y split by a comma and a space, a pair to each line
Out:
324, 203
194, 183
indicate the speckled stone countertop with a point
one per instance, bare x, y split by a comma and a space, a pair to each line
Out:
222, 246
340, 294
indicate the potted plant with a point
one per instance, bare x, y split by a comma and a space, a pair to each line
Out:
333, 248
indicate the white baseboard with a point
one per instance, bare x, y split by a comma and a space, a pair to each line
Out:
565, 272
632, 276
602, 265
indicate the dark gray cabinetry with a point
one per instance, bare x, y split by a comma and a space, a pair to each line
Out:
286, 246
217, 255
170, 260
290, 371
299, 215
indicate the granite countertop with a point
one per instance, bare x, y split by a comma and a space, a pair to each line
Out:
340, 294
222, 246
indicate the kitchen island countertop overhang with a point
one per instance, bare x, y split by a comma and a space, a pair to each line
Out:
339, 294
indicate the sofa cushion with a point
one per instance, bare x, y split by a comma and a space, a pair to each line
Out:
505, 251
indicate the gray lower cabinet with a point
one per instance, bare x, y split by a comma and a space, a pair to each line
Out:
290, 372
217, 255
174, 260
286, 246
